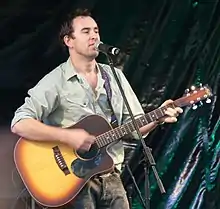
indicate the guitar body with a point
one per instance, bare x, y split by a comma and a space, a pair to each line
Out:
53, 173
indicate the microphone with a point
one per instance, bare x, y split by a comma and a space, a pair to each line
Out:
107, 49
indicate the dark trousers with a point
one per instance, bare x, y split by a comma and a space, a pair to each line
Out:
103, 192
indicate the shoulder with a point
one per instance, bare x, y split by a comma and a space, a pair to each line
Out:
54, 75
52, 79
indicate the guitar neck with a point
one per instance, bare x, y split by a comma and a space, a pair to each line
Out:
122, 130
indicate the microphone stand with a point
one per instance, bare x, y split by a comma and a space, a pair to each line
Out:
148, 158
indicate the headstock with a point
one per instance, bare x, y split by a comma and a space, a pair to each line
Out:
195, 95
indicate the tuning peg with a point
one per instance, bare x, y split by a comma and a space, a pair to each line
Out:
201, 86
208, 101
201, 103
187, 91
194, 106
193, 88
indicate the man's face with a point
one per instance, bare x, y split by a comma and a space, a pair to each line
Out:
85, 34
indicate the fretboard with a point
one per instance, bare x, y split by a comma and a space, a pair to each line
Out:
122, 130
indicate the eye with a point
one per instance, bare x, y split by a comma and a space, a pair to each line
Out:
96, 30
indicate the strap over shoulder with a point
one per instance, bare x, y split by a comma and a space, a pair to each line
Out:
108, 89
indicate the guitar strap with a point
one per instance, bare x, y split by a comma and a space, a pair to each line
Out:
105, 76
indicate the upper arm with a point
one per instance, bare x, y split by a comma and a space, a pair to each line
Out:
40, 102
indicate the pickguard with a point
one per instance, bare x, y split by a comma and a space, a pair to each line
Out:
84, 168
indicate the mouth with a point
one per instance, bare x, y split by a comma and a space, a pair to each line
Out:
93, 44
92, 47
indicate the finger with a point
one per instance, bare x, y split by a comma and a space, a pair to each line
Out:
171, 120
86, 146
179, 110
91, 139
171, 112
169, 101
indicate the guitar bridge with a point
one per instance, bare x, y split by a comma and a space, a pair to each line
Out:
60, 160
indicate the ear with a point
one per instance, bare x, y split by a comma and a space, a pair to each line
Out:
68, 41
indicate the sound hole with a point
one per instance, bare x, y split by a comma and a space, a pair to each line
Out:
87, 155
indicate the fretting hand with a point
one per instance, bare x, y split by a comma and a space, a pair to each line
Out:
171, 113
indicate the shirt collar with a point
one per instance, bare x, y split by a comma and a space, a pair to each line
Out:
70, 71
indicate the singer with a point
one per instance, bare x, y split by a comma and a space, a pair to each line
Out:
69, 94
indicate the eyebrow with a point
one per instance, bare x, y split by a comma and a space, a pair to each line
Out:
88, 28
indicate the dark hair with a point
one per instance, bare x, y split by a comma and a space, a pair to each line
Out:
66, 27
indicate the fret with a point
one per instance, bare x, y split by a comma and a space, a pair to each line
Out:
164, 109
148, 118
126, 128
105, 140
157, 116
161, 111
98, 142
117, 133
144, 119
120, 131
140, 122
101, 141
110, 136
107, 136
153, 115
114, 135
158, 113
129, 127
123, 130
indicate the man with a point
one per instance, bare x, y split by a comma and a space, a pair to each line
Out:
73, 90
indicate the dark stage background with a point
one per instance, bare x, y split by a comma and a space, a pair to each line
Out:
167, 45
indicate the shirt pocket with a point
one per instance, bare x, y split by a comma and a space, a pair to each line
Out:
76, 101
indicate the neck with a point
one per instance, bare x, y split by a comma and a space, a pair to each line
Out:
83, 65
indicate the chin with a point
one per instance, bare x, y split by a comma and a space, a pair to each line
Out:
93, 55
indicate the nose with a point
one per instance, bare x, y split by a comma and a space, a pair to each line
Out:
94, 35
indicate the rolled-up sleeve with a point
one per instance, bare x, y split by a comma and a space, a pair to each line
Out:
40, 102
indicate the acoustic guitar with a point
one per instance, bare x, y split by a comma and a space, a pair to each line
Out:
54, 174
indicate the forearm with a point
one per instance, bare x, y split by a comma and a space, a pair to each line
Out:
148, 128
35, 130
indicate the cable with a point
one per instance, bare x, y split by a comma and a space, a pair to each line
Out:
22, 191
12, 177
17, 198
